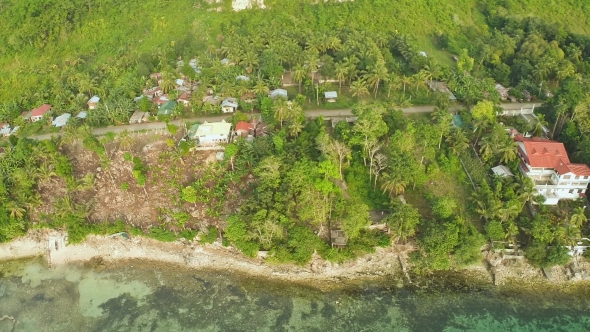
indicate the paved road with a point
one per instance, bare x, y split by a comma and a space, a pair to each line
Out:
311, 113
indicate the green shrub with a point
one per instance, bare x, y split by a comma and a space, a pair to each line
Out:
210, 236
162, 234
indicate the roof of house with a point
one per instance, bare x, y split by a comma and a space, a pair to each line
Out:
168, 106
440, 87
137, 116
224, 61
278, 93
213, 100
243, 125
540, 152
213, 128
41, 110
82, 115
94, 99
184, 96
331, 94
2, 125
14, 130
179, 81
502, 171
230, 102
61, 120
242, 78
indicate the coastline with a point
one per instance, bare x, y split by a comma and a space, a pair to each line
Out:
390, 262
384, 262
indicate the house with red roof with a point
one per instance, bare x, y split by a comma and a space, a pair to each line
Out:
38, 113
244, 129
546, 162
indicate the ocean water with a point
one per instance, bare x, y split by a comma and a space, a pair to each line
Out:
147, 296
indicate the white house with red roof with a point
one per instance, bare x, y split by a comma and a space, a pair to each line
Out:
546, 162
38, 113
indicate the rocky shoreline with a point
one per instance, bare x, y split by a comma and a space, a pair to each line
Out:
391, 263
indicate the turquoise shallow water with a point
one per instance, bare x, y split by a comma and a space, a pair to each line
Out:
143, 296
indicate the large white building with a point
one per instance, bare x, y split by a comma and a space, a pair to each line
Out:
546, 162
212, 133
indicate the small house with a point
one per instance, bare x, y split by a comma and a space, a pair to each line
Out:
92, 102
167, 108
502, 91
242, 78
61, 120
248, 97
225, 62
229, 105
4, 129
438, 86
153, 92
502, 171
157, 77
331, 96
213, 100
278, 93
38, 113
137, 117
213, 134
179, 82
159, 101
244, 129
82, 115
260, 128
185, 99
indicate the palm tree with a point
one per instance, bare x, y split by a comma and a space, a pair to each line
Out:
249, 60
359, 88
579, 217
280, 109
458, 141
538, 128
394, 184
16, 211
507, 149
406, 80
443, 120
376, 74
313, 63
393, 82
295, 127
260, 88
487, 147
341, 70
299, 75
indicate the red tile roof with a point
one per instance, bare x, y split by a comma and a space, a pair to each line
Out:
41, 110
541, 152
243, 125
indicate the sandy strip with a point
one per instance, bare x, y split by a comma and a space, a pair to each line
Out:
44, 243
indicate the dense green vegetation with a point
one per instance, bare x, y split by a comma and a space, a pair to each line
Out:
308, 178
